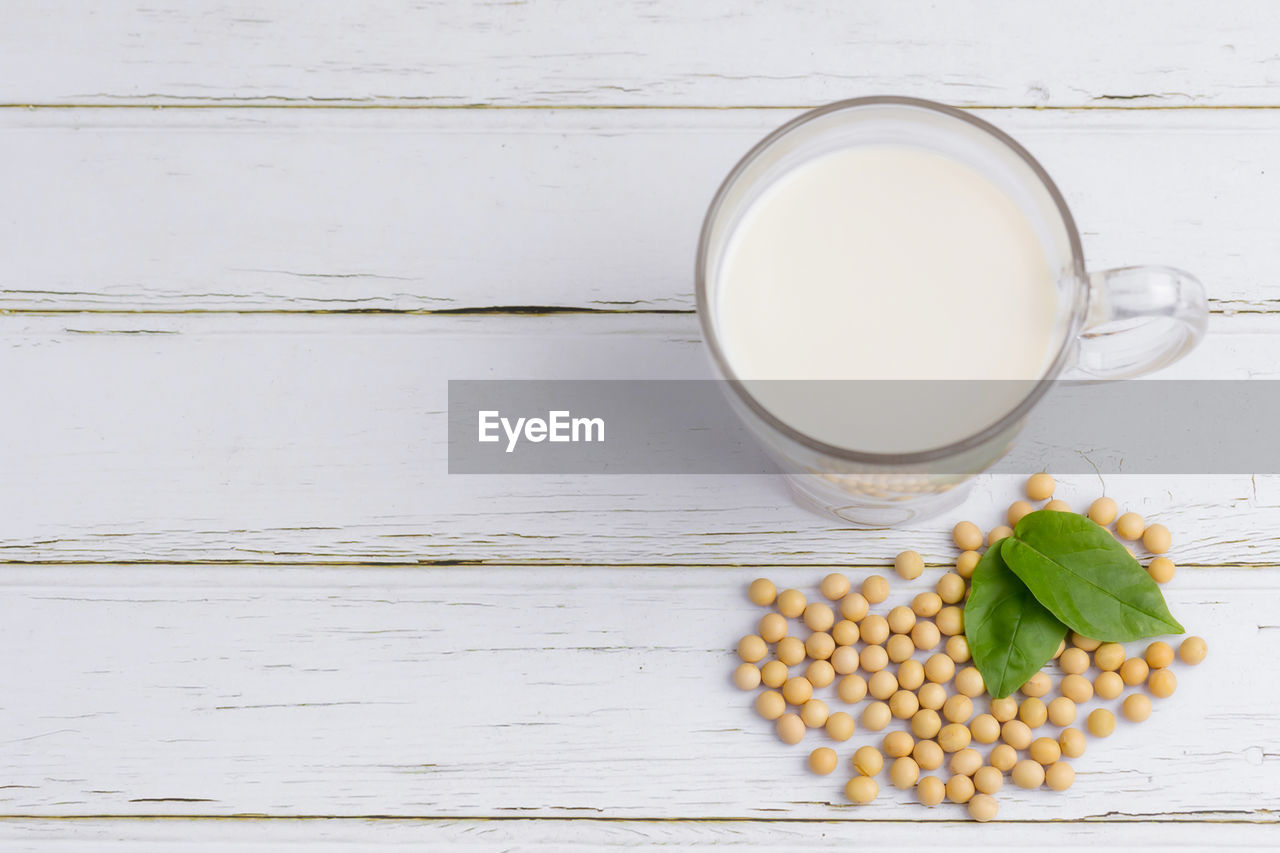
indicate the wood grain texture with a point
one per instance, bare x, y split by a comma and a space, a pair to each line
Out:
569, 692
322, 438
323, 210
719, 53
330, 835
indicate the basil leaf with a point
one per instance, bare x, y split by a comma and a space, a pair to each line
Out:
1010, 634
1082, 575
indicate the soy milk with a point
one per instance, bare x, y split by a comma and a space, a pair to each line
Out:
886, 262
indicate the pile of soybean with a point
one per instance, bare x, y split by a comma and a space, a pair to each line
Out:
953, 729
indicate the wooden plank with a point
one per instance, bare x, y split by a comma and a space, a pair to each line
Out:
324, 210
718, 53
321, 438
333, 835
560, 692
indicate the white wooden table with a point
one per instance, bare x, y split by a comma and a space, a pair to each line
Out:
246, 244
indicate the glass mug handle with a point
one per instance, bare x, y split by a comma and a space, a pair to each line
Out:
1140, 319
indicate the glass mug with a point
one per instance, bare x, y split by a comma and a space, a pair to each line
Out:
1114, 324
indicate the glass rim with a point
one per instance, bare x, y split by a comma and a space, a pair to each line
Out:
1076, 319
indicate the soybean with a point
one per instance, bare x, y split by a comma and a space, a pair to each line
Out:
1162, 683
875, 589
840, 726
882, 684
823, 760
845, 632
1101, 722
746, 676
1108, 685
910, 674
874, 629
773, 627
791, 603
926, 723
770, 704
1156, 538
967, 536
852, 689
983, 807
904, 773
1161, 569
1130, 526
1004, 709
790, 650
1077, 688
939, 669
926, 604
954, 737
1040, 486
1016, 733
925, 636
1059, 775
1136, 707
1071, 742
814, 713
928, 754
1193, 650
958, 708
834, 586
854, 607
1134, 671
762, 592
820, 673
932, 696
998, 533
1028, 774
988, 780
985, 728
797, 690
873, 658
1045, 750
752, 648
966, 563
1003, 757
960, 789
966, 761
1037, 685
790, 729
950, 588
898, 744
1062, 711
1074, 661
1032, 711
1108, 657
1103, 511
899, 648
819, 617
901, 620
861, 789
950, 621
844, 660
957, 648
930, 790
868, 761
819, 645
904, 704
773, 673
909, 565
876, 716
969, 682
1017, 510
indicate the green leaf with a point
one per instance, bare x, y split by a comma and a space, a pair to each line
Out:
1086, 578
1010, 634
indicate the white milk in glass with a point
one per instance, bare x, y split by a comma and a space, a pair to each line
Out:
887, 262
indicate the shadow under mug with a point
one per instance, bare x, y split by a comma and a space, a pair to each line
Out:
1114, 324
